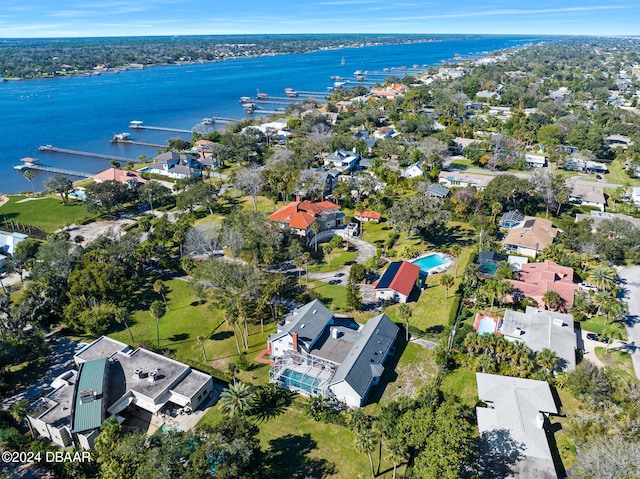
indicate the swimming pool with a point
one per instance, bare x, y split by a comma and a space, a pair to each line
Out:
487, 326
78, 193
430, 262
300, 381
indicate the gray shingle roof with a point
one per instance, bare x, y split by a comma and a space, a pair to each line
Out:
364, 361
308, 322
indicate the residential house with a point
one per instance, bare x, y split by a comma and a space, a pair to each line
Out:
540, 329
9, 241
414, 171
114, 380
514, 423
598, 217
323, 175
317, 353
452, 179
635, 195
511, 219
301, 215
535, 161
586, 166
390, 91
366, 137
436, 190
618, 141
121, 176
584, 195
398, 281
174, 165
531, 238
535, 279
462, 143
367, 216
385, 132
342, 160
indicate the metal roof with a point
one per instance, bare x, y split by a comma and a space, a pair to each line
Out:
88, 410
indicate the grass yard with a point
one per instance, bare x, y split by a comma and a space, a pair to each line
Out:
462, 383
47, 213
185, 321
339, 258
596, 325
618, 361
333, 296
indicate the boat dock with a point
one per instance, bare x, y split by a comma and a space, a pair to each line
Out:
87, 154
51, 169
220, 119
140, 143
312, 93
138, 125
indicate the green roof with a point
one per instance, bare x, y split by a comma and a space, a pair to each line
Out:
88, 400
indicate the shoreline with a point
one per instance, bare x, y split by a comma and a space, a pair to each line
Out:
117, 69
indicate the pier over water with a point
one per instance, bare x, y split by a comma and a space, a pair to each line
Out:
138, 125
86, 154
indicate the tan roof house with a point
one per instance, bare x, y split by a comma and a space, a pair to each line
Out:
531, 238
588, 196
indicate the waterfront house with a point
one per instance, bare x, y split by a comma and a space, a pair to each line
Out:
513, 423
301, 215
129, 177
530, 237
535, 279
9, 241
317, 353
173, 165
398, 282
113, 380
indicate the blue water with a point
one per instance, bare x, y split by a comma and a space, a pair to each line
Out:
84, 112
299, 380
427, 263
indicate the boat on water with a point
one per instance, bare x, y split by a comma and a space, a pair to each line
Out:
245, 99
121, 137
290, 92
343, 61
207, 121
339, 84
249, 106
262, 96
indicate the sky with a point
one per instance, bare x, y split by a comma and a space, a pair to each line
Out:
90, 18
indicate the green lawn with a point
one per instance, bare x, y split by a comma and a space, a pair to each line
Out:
596, 325
462, 383
184, 322
618, 361
333, 296
47, 213
339, 258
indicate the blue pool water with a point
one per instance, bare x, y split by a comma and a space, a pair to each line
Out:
487, 326
299, 380
427, 263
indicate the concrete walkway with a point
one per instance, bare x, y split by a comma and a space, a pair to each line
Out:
630, 280
366, 251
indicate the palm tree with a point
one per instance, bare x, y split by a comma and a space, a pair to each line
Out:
306, 257
315, 227
603, 276
366, 442
298, 263
327, 249
612, 331
231, 317
455, 252
237, 399
496, 209
552, 299
121, 317
404, 313
447, 281
201, 341
160, 288
397, 452
157, 311
547, 359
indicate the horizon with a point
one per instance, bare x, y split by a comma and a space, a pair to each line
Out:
31, 19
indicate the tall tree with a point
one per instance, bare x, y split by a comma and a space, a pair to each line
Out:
61, 185
447, 281
404, 314
157, 311
237, 399
365, 442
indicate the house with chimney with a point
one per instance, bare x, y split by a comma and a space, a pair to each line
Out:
318, 353
530, 236
299, 216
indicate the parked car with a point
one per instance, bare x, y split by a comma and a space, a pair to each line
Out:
593, 336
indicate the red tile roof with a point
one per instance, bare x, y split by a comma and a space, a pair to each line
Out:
535, 279
121, 176
287, 213
372, 215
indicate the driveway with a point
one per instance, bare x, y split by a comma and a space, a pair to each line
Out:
61, 361
630, 279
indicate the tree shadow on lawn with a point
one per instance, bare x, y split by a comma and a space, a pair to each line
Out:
179, 337
287, 458
221, 336
450, 235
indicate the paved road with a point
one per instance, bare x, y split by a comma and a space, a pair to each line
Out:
630, 279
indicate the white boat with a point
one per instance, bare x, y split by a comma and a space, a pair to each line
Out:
207, 121
343, 61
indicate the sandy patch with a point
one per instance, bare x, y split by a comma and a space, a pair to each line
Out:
91, 231
31, 199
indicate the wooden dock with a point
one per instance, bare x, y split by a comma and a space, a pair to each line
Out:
220, 119
87, 154
140, 143
158, 128
52, 169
